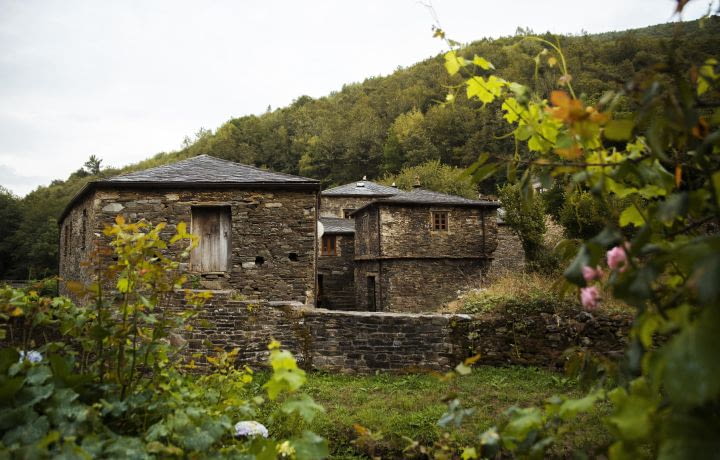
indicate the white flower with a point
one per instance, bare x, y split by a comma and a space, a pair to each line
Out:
32, 356
250, 428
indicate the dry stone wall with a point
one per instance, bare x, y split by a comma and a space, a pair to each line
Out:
361, 342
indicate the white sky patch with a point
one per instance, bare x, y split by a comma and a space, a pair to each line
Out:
125, 80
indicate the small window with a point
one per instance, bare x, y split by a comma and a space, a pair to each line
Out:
347, 212
364, 222
329, 245
440, 221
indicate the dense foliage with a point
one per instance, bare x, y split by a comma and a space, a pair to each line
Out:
653, 146
381, 125
111, 378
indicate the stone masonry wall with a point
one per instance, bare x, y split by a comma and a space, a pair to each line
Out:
509, 255
364, 342
416, 285
366, 233
406, 231
333, 206
338, 290
272, 241
77, 241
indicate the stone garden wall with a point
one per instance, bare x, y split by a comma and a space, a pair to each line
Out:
353, 341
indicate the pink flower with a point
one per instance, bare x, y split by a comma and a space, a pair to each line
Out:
590, 273
589, 296
617, 258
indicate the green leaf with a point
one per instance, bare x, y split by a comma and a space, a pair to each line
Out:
310, 447
482, 63
571, 407
453, 62
631, 216
304, 405
123, 284
462, 369
634, 412
692, 368
469, 453
619, 130
512, 110
574, 272
485, 90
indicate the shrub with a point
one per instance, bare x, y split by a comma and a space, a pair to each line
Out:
116, 383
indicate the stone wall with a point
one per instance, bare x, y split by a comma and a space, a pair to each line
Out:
77, 241
406, 231
366, 233
341, 341
338, 279
509, 255
333, 206
272, 241
417, 285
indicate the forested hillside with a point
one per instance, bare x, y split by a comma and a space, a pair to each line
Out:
376, 127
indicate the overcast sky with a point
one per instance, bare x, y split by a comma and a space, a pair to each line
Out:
124, 80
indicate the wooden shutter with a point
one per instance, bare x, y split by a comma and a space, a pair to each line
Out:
212, 225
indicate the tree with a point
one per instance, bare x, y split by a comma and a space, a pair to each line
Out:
11, 217
436, 176
93, 165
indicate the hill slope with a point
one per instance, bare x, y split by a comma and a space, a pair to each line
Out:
377, 126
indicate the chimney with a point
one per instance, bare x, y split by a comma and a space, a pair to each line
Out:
417, 182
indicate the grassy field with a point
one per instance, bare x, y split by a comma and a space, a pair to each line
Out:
409, 406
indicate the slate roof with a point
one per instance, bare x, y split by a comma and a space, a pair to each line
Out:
206, 169
361, 188
334, 225
419, 196
195, 172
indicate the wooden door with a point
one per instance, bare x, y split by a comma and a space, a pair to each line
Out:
212, 225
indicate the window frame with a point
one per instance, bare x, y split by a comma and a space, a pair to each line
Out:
327, 249
440, 221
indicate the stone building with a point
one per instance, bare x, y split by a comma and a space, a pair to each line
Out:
336, 287
415, 250
258, 228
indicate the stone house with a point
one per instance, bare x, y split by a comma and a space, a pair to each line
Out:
335, 278
258, 228
415, 250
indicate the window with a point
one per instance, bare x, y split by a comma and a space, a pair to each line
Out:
212, 225
347, 212
364, 222
329, 245
440, 221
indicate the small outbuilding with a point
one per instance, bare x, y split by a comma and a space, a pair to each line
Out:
258, 228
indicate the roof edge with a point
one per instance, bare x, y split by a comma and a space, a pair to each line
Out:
478, 204
104, 184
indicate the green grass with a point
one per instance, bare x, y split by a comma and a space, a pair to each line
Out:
409, 406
